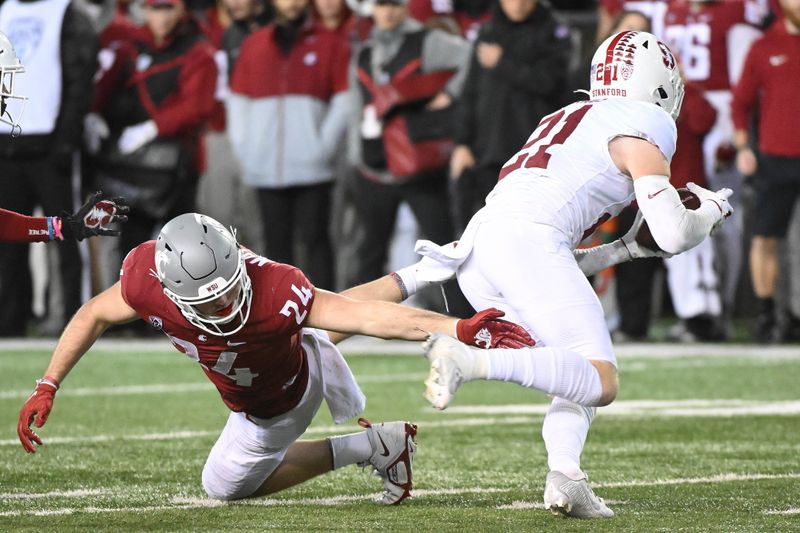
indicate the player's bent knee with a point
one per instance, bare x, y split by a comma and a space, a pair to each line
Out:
609, 378
218, 489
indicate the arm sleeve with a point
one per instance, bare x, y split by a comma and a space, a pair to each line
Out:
746, 91
546, 73
196, 90
674, 228
79, 47
15, 227
442, 51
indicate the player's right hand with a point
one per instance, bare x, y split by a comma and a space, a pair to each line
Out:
35, 411
487, 330
720, 198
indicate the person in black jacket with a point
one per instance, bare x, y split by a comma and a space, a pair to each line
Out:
58, 46
516, 76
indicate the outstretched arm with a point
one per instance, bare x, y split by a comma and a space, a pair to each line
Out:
350, 316
91, 320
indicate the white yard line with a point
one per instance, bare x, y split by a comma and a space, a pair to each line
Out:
180, 388
719, 478
521, 505
179, 503
789, 511
369, 346
78, 493
678, 408
311, 432
492, 415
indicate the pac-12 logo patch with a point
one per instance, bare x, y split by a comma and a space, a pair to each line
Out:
156, 322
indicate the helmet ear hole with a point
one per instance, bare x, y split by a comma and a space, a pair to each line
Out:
662, 93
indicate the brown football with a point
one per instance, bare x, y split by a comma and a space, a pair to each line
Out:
645, 238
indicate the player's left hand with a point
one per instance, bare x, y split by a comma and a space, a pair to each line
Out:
487, 330
35, 411
90, 220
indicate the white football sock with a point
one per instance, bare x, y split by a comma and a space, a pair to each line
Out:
564, 432
350, 449
553, 370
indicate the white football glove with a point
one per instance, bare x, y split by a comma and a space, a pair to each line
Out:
95, 130
136, 136
634, 248
720, 198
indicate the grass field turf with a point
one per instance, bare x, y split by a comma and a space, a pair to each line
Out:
693, 443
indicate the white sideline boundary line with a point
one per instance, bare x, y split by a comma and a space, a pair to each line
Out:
368, 346
180, 503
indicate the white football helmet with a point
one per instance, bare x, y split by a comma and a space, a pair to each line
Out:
636, 65
10, 66
198, 261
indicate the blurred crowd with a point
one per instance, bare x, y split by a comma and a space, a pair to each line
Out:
333, 133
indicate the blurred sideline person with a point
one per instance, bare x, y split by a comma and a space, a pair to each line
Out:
150, 108
580, 167
768, 85
711, 39
287, 114
257, 329
403, 82
507, 91
57, 45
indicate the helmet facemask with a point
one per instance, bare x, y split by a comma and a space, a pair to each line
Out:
7, 78
240, 308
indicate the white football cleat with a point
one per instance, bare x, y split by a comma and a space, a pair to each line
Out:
393, 449
452, 364
568, 497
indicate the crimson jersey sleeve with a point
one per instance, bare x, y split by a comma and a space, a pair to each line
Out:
15, 227
138, 264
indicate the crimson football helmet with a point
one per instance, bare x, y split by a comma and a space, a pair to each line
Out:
10, 66
199, 261
636, 65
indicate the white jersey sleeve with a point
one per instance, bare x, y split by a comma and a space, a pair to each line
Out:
652, 124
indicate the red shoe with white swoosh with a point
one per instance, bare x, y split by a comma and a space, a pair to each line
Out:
393, 449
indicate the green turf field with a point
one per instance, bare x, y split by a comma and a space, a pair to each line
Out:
694, 443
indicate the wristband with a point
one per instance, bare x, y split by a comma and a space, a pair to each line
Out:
406, 280
48, 380
51, 231
57, 229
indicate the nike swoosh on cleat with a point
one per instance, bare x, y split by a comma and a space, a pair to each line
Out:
231, 343
385, 452
654, 194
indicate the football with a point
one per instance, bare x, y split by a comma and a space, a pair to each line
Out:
645, 238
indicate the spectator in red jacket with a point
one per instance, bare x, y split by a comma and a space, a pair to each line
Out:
153, 103
768, 85
287, 114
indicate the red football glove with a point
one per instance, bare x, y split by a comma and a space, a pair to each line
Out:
38, 405
487, 330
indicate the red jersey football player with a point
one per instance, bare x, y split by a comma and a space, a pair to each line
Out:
265, 336
89, 221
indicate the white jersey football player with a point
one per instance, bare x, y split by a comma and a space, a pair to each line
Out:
580, 166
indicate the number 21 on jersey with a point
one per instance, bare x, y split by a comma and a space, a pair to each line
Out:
552, 130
